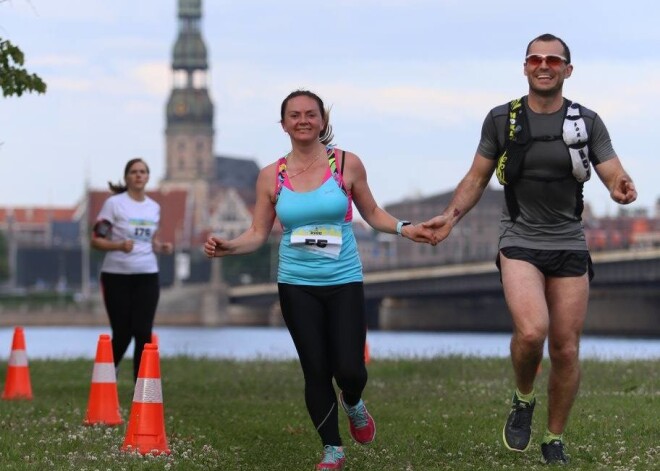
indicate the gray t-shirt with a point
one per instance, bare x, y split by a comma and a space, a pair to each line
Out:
549, 197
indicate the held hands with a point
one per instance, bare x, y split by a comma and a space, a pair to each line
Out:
440, 227
623, 191
418, 233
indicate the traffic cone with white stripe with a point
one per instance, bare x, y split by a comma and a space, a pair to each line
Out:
17, 384
146, 425
103, 406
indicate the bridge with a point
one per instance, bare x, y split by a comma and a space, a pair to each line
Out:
624, 298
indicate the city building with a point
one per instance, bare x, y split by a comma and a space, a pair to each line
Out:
202, 192
473, 239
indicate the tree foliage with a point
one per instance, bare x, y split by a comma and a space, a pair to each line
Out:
14, 79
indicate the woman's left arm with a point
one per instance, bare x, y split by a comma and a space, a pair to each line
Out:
355, 179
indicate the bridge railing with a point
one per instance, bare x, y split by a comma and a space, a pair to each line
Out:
621, 266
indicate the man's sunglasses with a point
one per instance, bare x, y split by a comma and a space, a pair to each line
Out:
552, 60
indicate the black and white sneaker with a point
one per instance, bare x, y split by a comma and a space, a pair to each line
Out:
517, 431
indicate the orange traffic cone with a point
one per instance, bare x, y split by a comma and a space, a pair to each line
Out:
17, 385
103, 406
146, 425
367, 356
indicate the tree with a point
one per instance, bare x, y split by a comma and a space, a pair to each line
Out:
14, 79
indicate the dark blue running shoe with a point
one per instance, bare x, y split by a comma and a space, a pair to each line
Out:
553, 452
517, 431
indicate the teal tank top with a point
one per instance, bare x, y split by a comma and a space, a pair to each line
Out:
313, 223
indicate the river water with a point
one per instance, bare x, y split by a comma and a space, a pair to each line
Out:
273, 343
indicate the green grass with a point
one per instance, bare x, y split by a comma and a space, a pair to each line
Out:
441, 414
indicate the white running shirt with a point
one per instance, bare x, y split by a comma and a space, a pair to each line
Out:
136, 220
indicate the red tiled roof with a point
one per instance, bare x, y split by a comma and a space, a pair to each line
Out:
36, 215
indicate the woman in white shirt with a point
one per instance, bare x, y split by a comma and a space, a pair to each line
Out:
126, 229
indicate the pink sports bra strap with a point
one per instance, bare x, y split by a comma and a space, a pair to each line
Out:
281, 178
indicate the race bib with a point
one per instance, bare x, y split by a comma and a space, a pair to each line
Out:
141, 230
323, 239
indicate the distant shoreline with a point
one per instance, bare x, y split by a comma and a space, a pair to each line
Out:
274, 343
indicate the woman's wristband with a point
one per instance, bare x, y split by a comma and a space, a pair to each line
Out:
399, 226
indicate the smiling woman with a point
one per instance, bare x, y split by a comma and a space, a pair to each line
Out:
311, 191
250, 59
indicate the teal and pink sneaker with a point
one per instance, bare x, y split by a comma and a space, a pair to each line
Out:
333, 458
361, 424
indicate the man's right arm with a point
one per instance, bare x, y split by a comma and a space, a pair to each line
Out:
469, 190
466, 196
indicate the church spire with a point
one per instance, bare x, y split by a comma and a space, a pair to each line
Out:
189, 114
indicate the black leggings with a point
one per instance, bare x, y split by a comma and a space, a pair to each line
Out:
130, 301
328, 327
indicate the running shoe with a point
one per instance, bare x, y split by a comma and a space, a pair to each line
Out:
361, 424
517, 431
553, 452
333, 458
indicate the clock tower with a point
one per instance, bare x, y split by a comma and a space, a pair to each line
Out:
189, 115
219, 188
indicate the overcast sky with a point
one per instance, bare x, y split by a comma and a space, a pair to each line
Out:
409, 82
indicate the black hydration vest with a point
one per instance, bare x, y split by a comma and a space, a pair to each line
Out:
518, 140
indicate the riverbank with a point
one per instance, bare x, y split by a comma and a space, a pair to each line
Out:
274, 343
